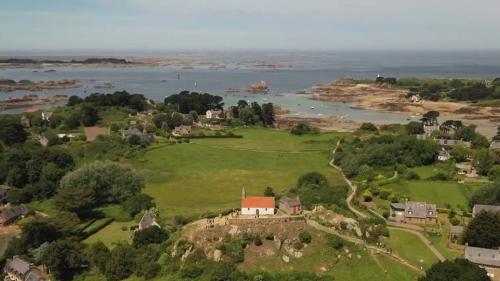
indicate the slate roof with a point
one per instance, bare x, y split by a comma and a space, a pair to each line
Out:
292, 202
132, 132
148, 220
482, 256
488, 208
9, 213
257, 202
398, 206
17, 266
420, 210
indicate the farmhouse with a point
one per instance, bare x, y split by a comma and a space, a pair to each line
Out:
256, 205
17, 269
482, 256
46, 116
215, 114
445, 141
443, 155
148, 220
484, 208
413, 212
182, 130
9, 213
290, 206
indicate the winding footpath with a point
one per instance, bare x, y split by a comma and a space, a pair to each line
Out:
353, 187
391, 225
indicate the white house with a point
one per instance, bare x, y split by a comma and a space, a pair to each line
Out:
444, 155
256, 205
215, 114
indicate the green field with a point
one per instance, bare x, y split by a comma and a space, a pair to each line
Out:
442, 193
411, 248
208, 174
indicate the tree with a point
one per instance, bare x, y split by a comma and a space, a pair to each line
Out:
72, 121
484, 161
414, 128
268, 115
460, 153
431, 117
64, 258
487, 195
194, 114
247, 116
457, 270
75, 199
484, 230
11, 131
191, 101
257, 110
98, 254
89, 115
74, 100
108, 181
480, 141
36, 233
305, 237
151, 235
303, 129
121, 262
466, 133
269, 192
138, 203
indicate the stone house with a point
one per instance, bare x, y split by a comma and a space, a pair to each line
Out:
149, 137
482, 256
414, 212
215, 114
291, 206
25, 121
148, 220
495, 145
182, 130
9, 213
17, 269
484, 208
444, 155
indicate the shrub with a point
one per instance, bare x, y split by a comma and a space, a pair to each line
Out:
411, 175
303, 129
385, 214
368, 127
385, 193
191, 271
298, 245
454, 221
305, 237
257, 241
439, 177
270, 236
335, 242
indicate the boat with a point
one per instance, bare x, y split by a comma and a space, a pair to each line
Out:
312, 107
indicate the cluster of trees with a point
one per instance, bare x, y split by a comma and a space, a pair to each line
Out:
100, 183
186, 101
251, 114
119, 98
11, 131
33, 171
458, 269
314, 188
385, 151
457, 89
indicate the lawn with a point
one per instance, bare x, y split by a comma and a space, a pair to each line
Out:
442, 193
411, 248
112, 234
322, 259
208, 174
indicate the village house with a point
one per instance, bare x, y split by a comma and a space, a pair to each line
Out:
429, 129
414, 212
466, 168
484, 208
456, 232
148, 220
256, 205
291, 206
443, 155
483, 257
46, 116
25, 121
182, 130
215, 114
445, 141
9, 213
17, 269
149, 137
495, 145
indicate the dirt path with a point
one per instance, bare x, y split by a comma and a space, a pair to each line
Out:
353, 187
403, 227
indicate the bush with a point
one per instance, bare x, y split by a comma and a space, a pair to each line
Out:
305, 237
385, 214
191, 271
411, 175
303, 129
368, 127
270, 236
454, 221
335, 242
385, 193
298, 245
257, 241
439, 177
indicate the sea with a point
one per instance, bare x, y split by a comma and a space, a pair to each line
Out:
296, 74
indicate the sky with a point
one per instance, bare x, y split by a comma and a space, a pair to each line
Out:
249, 25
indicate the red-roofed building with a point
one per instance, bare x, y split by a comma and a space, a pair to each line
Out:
256, 205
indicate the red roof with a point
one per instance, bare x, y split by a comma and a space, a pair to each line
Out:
257, 202
31, 109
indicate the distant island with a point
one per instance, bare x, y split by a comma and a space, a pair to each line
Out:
73, 61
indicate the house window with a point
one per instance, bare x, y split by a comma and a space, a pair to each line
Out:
266, 209
248, 209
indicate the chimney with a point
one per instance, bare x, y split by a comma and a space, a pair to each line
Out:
243, 194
